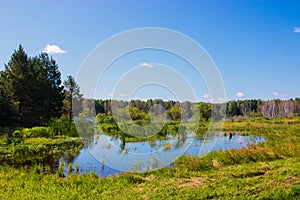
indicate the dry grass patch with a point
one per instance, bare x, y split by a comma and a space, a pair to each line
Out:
190, 182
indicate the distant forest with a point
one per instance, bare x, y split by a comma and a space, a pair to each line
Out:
255, 108
32, 93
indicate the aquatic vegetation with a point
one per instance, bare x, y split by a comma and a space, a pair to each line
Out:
167, 146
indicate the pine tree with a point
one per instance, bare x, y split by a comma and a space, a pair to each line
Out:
73, 98
52, 88
20, 78
7, 109
35, 88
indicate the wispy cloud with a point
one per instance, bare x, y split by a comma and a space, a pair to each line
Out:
123, 95
220, 100
240, 94
276, 94
53, 49
206, 96
144, 64
209, 98
296, 30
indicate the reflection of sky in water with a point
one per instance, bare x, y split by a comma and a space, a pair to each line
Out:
140, 155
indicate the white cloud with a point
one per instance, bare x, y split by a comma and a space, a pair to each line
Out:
217, 100
110, 94
53, 49
296, 30
206, 96
213, 100
144, 64
240, 94
276, 94
123, 95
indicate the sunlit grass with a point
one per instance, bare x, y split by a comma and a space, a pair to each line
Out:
268, 170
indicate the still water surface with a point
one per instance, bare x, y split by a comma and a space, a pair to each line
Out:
121, 157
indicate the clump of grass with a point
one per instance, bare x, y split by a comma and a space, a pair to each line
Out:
167, 146
93, 175
152, 143
216, 163
137, 167
37, 169
70, 167
126, 150
77, 167
47, 169
61, 170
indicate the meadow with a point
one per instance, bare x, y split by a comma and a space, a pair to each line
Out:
268, 170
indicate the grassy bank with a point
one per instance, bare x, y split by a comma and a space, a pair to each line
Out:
269, 170
262, 180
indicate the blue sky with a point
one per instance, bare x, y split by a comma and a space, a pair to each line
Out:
255, 44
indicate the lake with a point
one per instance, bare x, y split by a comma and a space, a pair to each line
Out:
108, 155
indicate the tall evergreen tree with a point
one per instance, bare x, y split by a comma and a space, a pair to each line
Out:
35, 87
73, 98
52, 87
7, 109
20, 78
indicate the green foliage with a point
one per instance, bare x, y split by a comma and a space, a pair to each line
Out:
53, 90
61, 170
62, 126
77, 167
205, 111
70, 167
38, 132
137, 114
100, 118
32, 132
31, 90
108, 128
174, 113
37, 169
8, 109
73, 98
17, 134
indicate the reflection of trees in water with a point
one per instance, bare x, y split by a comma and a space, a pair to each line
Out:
181, 137
123, 141
50, 161
67, 157
86, 130
137, 130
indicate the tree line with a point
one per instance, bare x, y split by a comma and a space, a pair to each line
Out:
32, 93
266, 108
253, 107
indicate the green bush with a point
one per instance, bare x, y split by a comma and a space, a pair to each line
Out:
40, 132
108, 128
62, 127
34, 132
17, 134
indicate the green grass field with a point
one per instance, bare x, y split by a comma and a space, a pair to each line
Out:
269, 170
